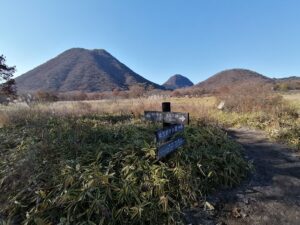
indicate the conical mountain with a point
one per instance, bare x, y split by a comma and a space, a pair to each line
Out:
79, 69
177, 81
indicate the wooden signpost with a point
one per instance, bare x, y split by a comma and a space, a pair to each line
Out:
173, 122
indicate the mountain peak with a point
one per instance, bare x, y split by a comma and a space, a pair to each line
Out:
87, 51
177, 81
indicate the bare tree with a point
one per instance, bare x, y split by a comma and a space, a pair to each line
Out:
137, 91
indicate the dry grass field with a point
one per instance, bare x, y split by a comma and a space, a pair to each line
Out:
197, 107
294, 98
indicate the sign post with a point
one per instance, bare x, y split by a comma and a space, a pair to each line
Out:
173, 122
166, 107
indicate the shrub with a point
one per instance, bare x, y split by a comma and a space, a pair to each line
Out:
43, 96
251, 97
136, 91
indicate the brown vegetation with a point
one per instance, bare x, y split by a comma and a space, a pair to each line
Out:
287, 84
42, 96
250, 97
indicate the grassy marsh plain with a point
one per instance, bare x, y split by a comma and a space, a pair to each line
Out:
87, 161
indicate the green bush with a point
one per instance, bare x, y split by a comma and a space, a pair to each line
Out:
103, 170
290, 136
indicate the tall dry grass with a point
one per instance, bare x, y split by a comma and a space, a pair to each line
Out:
261, 109
16, 113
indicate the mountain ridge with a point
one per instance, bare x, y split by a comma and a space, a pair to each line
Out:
96, 70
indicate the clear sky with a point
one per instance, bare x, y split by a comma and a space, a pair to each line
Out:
158, 38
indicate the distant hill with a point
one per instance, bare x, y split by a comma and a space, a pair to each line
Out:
287, 83
177, 81
79, 69
292, 78
232, 77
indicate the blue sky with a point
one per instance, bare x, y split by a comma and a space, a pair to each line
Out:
157, 39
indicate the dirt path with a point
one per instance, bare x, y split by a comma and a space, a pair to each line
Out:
271, 196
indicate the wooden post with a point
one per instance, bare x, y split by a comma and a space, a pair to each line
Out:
166, 107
